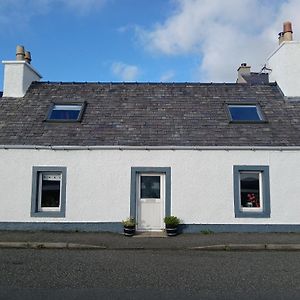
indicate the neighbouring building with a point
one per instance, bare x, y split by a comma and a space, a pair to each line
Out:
220, 156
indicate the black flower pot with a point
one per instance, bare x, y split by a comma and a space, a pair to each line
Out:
129, 230
171, 230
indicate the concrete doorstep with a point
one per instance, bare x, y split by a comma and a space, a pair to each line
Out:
150, 234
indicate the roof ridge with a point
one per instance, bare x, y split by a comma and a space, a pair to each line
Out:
146, 83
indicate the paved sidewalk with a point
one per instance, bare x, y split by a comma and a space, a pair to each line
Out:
104, 240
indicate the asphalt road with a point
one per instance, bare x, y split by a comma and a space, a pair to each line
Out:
146, 274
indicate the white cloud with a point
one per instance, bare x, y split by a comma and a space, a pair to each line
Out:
17, 13
167, 76
124, 71
222, 33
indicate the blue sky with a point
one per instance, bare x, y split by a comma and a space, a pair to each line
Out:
143, 40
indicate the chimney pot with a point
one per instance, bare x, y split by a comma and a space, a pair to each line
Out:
20, 53
287, 33
287, 27
280, 37
27, 56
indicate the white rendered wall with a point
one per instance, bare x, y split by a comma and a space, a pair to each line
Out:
18, 75
98, 183
285, 66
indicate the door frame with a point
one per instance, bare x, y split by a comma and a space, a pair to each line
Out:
135, 171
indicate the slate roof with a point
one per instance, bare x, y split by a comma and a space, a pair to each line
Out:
142, 114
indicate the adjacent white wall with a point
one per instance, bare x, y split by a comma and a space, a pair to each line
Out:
98, 183
285, 66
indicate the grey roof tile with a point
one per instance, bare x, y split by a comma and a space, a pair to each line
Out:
142, 114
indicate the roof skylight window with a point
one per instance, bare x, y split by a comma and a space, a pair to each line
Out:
65, 112
245, 113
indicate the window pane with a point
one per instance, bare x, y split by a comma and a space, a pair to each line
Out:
150, 186
244, 113
50, 193
65, 112
249, 189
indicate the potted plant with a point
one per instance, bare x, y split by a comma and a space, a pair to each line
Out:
129, 226
172, 223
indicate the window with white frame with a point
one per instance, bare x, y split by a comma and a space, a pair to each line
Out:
251, 191
48, 192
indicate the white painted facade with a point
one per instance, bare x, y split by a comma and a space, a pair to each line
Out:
99, 181
18, 75
285, 67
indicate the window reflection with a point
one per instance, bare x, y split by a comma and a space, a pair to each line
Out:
244, 113
250, 195
65, 112
150, 186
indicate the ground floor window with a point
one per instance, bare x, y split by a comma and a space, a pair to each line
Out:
48, 192
251, 191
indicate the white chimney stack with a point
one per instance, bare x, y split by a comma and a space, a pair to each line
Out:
19, 74
284, 64
244, 69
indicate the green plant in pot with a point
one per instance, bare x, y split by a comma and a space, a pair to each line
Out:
129, 226
172, 223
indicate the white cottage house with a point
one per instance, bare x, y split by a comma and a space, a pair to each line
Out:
220, 156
